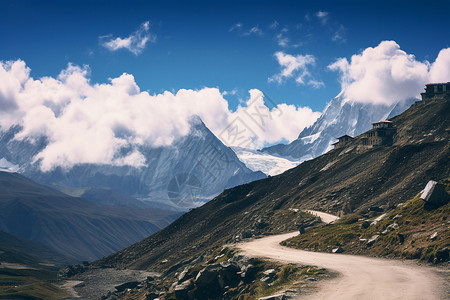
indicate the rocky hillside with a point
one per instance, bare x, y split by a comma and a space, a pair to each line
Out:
414, 229
342, 181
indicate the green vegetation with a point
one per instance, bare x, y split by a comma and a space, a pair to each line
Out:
29, 284
411, 235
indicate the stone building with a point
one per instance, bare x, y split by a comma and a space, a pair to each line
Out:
382, 133
342, 141
436, 91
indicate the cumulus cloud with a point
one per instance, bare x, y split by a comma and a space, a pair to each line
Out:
386, 74
294, 66
440, 69
135, 43
108, 123
258, 123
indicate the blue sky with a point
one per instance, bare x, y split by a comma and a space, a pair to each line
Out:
196, 44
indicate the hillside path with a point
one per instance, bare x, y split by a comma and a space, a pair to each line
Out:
326, 218
360, 277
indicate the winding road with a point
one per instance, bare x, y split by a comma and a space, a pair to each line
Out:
360, 277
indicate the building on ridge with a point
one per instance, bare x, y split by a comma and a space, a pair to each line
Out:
342, 141
436, 91
381, 134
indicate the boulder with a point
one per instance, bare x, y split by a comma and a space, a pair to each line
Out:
229, 274
435, 193
270, 272
372, 240
207, 276
390, 228
434, 236
181, 290
374, 222
337, 250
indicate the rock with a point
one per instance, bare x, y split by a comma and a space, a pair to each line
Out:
183, 275
127, 285
181, 290
435, 193
337, 250
397, 216
442, 255
434, 236
374, 222
248, 272
270, 272
390, 228
274, 297
372, 240
229, 274
207, 276
301, 229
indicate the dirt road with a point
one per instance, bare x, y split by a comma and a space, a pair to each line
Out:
360, 277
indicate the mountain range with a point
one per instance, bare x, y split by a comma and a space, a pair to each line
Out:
341, 116
186, 174
349, 179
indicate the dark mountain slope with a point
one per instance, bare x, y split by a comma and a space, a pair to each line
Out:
347, 179
22, 251
74, 227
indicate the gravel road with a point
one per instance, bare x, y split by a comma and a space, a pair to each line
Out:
360, 277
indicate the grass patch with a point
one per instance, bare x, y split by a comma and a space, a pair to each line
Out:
415, 223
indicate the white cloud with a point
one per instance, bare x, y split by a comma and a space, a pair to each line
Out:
322, 16
236, 26
282, 40
316, 83
135, 43
253, 31
94, 123
239, 27
294, 66
274, 24
386, 74
339, 35
440, 69
263, 125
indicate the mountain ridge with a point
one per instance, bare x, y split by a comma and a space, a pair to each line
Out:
340, 181
74, 227
341, 116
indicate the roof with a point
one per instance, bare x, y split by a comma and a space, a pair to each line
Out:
382, 121
437, 83
345, 135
